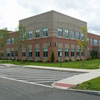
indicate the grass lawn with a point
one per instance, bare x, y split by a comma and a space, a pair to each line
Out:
93, 84
91, 64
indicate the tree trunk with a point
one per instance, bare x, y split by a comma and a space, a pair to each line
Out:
83, 57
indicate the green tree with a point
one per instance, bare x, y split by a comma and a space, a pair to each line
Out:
4, 36
83, 44
52, 57
20, 38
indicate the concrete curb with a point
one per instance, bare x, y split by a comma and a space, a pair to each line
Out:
59, 69
53, 68
86, 91
78, 90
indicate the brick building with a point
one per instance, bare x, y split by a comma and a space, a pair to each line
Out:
52, 31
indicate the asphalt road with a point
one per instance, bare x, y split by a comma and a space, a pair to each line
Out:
13, 90
24, 90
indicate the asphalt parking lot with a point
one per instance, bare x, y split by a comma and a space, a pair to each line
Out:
39, 76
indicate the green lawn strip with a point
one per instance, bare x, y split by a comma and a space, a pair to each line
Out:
93, 84
92, 64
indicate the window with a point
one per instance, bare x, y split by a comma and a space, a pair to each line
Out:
77, 35
60, 33
99, 42
12, 40
45, 52
2, 54
8, 54
95, 42
66, 52
90, 41
13, 54
8, 41
72, 52
82, 36
60, 52
72, 34
16, 53
37, 52
30, 35
30, 53
16, 39
45, 31
66, 33
23, 53
78, 52
37, 33
23, 36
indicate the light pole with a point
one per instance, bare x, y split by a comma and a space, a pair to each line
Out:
60, 59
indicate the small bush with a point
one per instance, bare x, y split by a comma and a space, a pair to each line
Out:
66, 60
78, 60
88, 59
47, 61
70, 59
38, 61
52, 57
57, 60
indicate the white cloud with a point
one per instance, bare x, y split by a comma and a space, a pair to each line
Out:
14, 10
10, 13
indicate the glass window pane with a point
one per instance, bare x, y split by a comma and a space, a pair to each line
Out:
37, 33
60, 32
72, 52
82, 36
72, 34
66, 52
45, 52
59, 52
30, 35
78, 35
66, 33
95, 42
45, 31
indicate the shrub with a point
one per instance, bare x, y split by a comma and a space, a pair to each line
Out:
66, 60
70, 59
88, 59
47, 61
57, 60
78, 60
38, 61
52, 57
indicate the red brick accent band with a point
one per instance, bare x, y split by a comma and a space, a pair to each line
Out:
64, 85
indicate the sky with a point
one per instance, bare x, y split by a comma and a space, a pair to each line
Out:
11, 11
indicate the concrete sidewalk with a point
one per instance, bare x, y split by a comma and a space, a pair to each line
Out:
74, 80
77, 79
